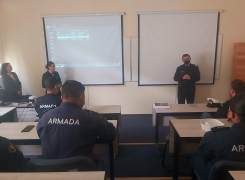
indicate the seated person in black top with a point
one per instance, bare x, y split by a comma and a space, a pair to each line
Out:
223, 143
12, 160
68, 130
237, 86
11, 83
50, 100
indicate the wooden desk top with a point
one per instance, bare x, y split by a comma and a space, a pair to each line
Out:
185, 108
101, 109
104, 109
191, 127
5, 110
12, 130
92, 175
238, 175
21, 105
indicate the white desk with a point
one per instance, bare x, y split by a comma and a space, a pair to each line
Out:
21, 105
110, 112
12, 131
8, 114
104, 109
238, 175
101, 109
178, 110
92, 175
184, 137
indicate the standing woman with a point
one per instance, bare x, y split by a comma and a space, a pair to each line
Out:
51, 73
10, 80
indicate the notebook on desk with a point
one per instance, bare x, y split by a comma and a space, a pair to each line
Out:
161, 105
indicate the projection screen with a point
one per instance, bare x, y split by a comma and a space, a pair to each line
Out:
87, 48
165, 37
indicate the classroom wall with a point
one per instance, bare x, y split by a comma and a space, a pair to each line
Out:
22, 34
1, 56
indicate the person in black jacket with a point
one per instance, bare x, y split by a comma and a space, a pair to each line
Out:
187, 75
11, 82
51, 73
50, 100
223, 143
68, 130
237, 86
10, 79
12, 160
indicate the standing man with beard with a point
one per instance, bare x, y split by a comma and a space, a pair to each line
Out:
187, 75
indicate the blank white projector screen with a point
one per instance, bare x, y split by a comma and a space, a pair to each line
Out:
86, 48
165, 37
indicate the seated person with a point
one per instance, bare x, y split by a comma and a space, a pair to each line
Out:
49, 100
68, 130
237, 86
224, 143
12, 160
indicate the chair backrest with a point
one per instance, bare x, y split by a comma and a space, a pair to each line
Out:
61, 165
219, 170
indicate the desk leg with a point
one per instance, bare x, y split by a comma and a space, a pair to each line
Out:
115, 144
176, 156
111, 160
15, 115
156, 134
116, 150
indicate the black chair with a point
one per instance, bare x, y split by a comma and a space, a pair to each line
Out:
61, 165
219, 170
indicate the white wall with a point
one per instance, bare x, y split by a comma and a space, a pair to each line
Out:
1, 55
22, 32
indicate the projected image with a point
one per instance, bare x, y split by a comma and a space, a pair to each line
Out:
85, 45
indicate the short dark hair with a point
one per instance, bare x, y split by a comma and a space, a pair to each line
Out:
185, 55
238, 86
49, 63
50, 82
72, 89
237, 104
4, 66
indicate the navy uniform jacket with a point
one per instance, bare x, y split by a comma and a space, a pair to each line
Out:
68, 131
48, 74
44, 103
222, 110
11, 159
10, 84
194, 73
224, 144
